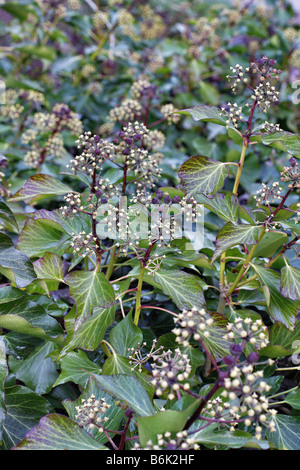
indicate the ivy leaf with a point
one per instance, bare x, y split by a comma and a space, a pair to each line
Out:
169, 420
281, 341
270, 243
114, 413
211, 436
75, 367
6, 215
49, 267
281, 309
231, 235
287, 433
89, 289
182, 287
211, 114
201, 175
24, 408
282, 140
128, 389
38, 372
125, 335
41, 236
225, 206
39, 187
293, 399
90, 332
57, 432
16, 266
29, 317
290, 282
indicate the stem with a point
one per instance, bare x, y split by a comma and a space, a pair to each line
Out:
240, 166
204, 400
246, 264
222, 301
111, 263
138, 296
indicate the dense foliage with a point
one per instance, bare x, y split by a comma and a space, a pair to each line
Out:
149, 257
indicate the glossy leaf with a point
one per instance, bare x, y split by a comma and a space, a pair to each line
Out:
89, 289
290, 282
129, 390
282, 310
57, 432
182, 287
39, 187
232, 235
16, 266
201, 175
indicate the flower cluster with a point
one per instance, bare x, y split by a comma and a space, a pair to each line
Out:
91, 413
249, 330
181, 441
291, 174
169, 371
192, 323
233, 114
44, 136
138, 359
74, 204
168, 111
248, 386
268, 194
81, 242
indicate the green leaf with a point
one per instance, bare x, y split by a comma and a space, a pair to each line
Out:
116, 365
89, 289
114, 413
24, 409
281, 341
287, 433
29, 317
293, 399
125, 335
37, 372
282, 310
129, 390
39, 187
169, 420
211, 436
44, 52
201, 175
182, 287
270, 243
76, 367
211, 114
290, 282
57, 432
282, 140
231, 235
16, 266
16, 9
209, 93
225, 206
49, 267
6, 215
41, 236
91, 332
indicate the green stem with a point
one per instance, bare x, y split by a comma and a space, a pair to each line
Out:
246, 264
111, 263
138, 295
240, 167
